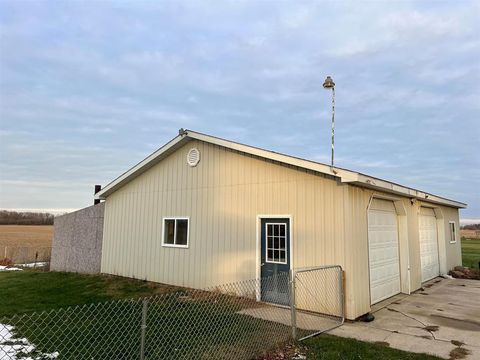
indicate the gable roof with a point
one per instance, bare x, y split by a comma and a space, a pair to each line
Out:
344, 175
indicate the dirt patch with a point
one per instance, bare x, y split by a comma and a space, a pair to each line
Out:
285, 351
382, 343
6, 262
461, 324
459, 353
461, 272
457, 343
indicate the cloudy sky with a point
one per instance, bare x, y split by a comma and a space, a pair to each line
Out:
87, 89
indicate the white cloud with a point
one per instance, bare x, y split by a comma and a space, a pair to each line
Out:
423, 23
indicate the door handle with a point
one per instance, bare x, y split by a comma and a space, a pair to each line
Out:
262, 264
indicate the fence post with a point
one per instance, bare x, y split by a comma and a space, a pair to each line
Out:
143, 328
342, 295
293, 309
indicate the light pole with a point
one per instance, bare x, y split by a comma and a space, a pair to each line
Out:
329, 84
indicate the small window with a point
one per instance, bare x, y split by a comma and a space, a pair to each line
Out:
453, 232
175, 232
276, 249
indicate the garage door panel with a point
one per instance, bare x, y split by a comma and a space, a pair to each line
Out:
427, 224
383, 251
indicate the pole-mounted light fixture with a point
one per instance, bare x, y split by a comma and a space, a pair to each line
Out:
329, 84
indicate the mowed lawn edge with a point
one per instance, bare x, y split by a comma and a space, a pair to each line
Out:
330, 347
35, 291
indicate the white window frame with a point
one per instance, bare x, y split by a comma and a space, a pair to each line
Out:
454, 231
175, 232
266, 243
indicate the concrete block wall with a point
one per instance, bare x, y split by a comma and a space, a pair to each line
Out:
77, 240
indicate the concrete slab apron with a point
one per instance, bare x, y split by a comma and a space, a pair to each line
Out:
434, 320
305, 321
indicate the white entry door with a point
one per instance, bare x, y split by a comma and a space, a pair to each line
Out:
383, 250
427, 224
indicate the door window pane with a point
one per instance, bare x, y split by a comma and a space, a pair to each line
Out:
270, 242
276, 250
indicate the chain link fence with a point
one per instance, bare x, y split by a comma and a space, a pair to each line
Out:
225, 322
319, 300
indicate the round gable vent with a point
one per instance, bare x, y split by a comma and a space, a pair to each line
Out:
193, 157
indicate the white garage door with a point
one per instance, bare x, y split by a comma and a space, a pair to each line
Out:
383, 250
428, 244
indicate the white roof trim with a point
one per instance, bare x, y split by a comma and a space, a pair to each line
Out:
344, 175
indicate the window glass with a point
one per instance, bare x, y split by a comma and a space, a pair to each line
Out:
169, 231
270, 242
276, 251
175, 232
452, 232
182, 232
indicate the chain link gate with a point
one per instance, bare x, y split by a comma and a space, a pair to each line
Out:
317, 300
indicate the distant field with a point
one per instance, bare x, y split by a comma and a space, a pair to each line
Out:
471, 252
26, 235
25, 243
470, 234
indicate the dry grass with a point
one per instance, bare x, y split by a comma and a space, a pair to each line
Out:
25, 243
26, 235
470, 234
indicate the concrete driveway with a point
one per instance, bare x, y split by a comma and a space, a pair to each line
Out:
443, 319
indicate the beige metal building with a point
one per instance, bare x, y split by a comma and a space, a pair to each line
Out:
202, 211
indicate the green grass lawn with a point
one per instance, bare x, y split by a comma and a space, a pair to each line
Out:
97, 317
470, 252
27, 291
94, 316
329, 347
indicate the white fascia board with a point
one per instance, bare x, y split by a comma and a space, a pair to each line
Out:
383, 185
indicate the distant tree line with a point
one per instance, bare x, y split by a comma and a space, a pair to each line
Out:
25, 218
471, 227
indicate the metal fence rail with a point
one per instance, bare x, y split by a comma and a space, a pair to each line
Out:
224, 322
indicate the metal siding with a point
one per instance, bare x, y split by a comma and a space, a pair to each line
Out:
453, 251
356, 266
222, 195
